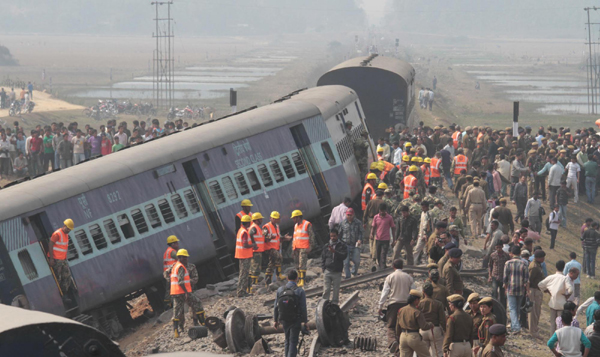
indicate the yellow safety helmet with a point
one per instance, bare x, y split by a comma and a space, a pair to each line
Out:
414, 159
405, 158
380, 166
172, 239
69, 223
275, 215
373, 165
419, 159
427, 160
380, 149
382, 186
413, 168
408, 145
371, 176
256, 216
246, 219
182, 252
296, 213
247, 203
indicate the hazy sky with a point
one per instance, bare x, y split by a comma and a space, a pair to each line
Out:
374, 9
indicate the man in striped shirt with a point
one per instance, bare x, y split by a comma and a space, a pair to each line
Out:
516, 282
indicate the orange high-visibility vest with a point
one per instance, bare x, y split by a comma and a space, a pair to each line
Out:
176, 289
168, 260
388, 166
480, 135
242, 214
301, 239
426, 174
240, 251
460, 162
275, 236
363, 198
410, 182
455, 139
61, 247
435, 167
259, 238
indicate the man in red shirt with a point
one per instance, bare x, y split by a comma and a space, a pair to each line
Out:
35, 150
382, 224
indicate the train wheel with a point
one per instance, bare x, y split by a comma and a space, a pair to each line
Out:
156, 295
123, 314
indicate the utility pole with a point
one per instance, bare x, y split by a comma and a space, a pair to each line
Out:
163, 58
592, 84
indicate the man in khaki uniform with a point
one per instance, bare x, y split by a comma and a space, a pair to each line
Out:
440, 292
474, 204
473, 301
454, 282
498, 332
434, 314
410, 321
459, 329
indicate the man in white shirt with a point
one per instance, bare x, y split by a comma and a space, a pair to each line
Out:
532, 212
122, 136
422, 98
396, 289
338, 214
554, 178
397, 153
386, 149
559, 287
573, 170
504, 171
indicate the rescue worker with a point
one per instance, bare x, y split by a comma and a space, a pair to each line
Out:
368, 192
434, 313
58, 247
459, 329
244, 247
246, 207
257, 236
181, 293
379, 153
498, 333
474, 205
488, 319
410, 321
272, 247
473, 301
426, 171
436, 170
169, 259
361, 153
459, 163
410, 181
303, 238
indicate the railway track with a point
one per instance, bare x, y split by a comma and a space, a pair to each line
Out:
366, 278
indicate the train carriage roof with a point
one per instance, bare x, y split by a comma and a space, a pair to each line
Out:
54, 187
390, 64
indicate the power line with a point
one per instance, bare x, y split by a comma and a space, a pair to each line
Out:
163, 57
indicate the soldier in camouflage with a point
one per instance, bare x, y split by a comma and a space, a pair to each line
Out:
361, 152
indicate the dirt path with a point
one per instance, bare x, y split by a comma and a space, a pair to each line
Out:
44, 102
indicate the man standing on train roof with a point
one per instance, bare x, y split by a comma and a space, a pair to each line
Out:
303, 237
258, 237
246, 207
272, 246
361, 153
169, 259
181, 292
57, 257
244, 247
368, 192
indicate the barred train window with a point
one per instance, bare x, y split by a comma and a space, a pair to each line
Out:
179, 206
112, 231
287, 167
299, 163
98, 237
276, 170
240, 180
125, 225
216, 193
254, 183
72, 251
165, 210
83, 241
27, 264
229, 189
191, 200
265, 175
152, 215
139, 220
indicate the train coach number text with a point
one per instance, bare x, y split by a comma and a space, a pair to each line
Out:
113, 196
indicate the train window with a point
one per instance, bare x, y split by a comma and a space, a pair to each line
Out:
240, 180
27, 264
125, 226
265, 175
229, 188
299, 163
254, 183
139, 221
328, 153
191, 200
276, 171
216, 193
98, 237
71, 251
112, 231
287, 167
83, 241
165, 210
179, 206
152, 215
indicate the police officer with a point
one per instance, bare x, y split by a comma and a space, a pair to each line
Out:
473, 301
488, 319
272, 247
257, 236
497, 340
244, 247
459, 329
57, 257
169, 259
454, 282
302, 239
434, 313
361, 153
410, 321
181, 293
440, 292
246, 207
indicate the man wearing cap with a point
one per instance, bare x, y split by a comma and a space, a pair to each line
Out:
410, 181
434, 314
303, 239
411, 320
407, 235
332, 261
368, 192
257, 237
437, 251
516, 283
474, 204
396, 289
536, 275
488, 319
444, 260
58, 247
497, 340
246, 207
351, 233
473, 301
244, 248
440, 227
272, 247
169, 259
361, 148
450, 273
388, 199
181, 293
459, 329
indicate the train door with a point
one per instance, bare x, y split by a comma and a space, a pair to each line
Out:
11, 289
43, 231
226, 266
312, 165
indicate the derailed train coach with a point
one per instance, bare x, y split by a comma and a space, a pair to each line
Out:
385, 85
293, 154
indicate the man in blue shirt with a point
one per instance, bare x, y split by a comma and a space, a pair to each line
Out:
577, 282
292, 326
589, 313
30, 89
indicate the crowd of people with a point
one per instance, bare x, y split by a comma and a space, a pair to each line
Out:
25, 95
55, 146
